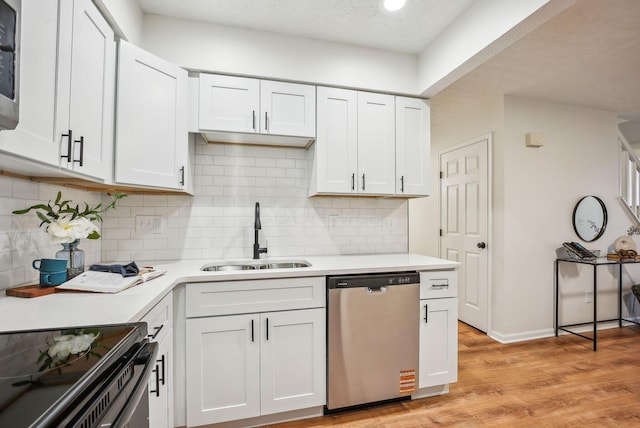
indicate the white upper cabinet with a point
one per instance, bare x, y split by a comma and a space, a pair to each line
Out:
336, 147
85, 90
66, 84
354, 152
287, 109
151, 120
244, 110
412, 147
229, 103
370, 144
376, 148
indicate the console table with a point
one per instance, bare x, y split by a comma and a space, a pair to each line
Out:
595, 263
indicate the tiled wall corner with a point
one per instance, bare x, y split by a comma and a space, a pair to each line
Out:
21, 238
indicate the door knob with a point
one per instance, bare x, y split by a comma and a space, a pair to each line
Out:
481, 245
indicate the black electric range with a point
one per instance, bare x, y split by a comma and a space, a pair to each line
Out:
74, 377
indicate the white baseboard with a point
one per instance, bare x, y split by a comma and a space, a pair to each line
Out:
541, 334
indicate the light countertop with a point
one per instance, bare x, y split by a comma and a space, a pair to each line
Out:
68, 309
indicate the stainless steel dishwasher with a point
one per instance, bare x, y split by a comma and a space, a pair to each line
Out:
373, 324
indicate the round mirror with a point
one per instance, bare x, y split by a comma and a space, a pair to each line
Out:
590, 218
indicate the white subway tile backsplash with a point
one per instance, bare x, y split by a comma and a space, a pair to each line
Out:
217, 222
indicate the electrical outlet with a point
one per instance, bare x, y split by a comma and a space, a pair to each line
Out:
149, 224
588, 296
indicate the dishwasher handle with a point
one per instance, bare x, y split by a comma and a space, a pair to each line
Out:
377, 290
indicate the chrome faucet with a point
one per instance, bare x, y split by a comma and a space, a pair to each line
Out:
256, 227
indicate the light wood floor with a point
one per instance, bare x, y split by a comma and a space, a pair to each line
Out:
554, 382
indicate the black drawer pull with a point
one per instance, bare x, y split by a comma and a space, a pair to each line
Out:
156, 330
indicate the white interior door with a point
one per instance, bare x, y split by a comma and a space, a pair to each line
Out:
464, 201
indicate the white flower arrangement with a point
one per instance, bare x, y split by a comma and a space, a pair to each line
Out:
65, 223
70, 344
64, 230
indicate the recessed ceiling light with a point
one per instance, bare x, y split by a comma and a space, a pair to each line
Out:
393, 5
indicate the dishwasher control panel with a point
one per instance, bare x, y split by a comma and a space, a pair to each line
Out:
373, 280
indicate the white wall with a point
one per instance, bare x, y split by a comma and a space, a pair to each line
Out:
216, 48
477, 35
541, 188
125, 17
534, 193
218, 221
21, 238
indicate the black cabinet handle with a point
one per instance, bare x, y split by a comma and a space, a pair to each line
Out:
182, 175
266, 122
69, 146
252, 337
157, 390
426, 313
402, 183
253, 118
353, 181
267, 329
161, 361
363, 188
81, 141
156, 330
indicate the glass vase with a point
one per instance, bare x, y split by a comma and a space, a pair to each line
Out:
75, 257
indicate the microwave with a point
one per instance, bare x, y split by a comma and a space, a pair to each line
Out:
9, 63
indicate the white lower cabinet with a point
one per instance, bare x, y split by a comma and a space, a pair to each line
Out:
243, 366
160, 329
161, 386
438, 342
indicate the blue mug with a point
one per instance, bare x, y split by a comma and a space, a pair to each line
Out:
52, 271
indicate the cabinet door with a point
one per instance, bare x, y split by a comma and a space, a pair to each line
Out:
336, 146
292, 360
412, 147
151, 122
438, 342
376, 144
223, 369
161, 386
287, 109
85, 98
33, 137
229, 103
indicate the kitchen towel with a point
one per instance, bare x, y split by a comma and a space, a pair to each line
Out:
130, 269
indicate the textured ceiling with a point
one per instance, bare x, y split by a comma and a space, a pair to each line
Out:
588, 55
358, 22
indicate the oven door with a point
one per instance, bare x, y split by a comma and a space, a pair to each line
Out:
122, 401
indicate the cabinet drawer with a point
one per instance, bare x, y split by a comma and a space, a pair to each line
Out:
160, 319
438, 283
237, 297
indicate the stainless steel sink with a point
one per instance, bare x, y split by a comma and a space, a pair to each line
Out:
231, 266
286, 265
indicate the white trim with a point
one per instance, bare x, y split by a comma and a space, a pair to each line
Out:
522, 336
550, 332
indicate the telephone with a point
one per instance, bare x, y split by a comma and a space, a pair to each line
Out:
578, 250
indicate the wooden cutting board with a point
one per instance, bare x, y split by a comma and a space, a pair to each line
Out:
29, 291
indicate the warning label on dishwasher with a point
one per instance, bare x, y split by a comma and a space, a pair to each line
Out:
407, 381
